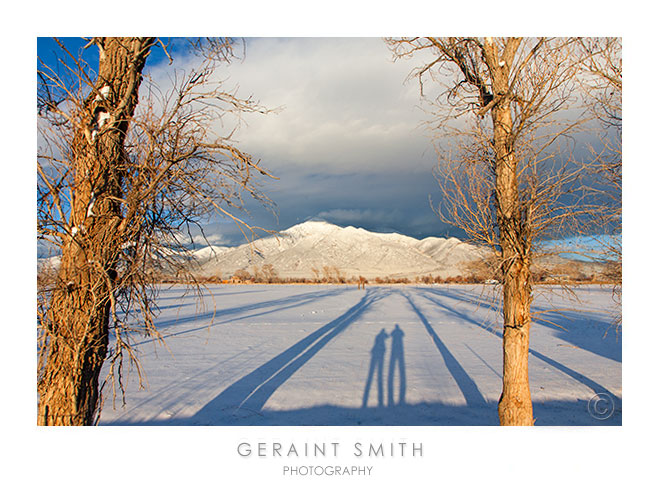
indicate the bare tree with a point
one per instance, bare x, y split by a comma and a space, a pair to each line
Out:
125, 169
601, 82
505, 182
269, 273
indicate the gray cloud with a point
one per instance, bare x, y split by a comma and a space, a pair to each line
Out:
376, 201
348, 142
344, 104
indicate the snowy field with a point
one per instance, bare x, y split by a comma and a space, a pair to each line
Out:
387, 355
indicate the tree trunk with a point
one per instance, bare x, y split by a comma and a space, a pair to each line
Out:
77, 326
515, 406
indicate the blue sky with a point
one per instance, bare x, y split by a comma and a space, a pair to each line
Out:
48, 50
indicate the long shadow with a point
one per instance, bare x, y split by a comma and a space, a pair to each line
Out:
376, 366
250, 393
549, 413
586, 330
172, 390
397, 358
248, 291
306, 298
467, 386
297, 299
211, 316
174, 306
484, 361
596, 387
185, 291
583, 330
464, 296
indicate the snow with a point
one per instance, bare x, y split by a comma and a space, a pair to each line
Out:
301, 355
52, 262
309, 249
90, 206
209, 252
103, 93
295, 252
103, 116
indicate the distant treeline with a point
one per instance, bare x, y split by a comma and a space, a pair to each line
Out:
558, 275
474, 273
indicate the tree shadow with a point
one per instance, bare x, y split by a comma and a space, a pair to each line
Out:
243, 402
596, 387
289, 302
180, 291
587, 330
249, 394
466, 384
547, 413
284, 304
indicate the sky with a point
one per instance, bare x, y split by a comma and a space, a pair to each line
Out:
345, 141
347, 138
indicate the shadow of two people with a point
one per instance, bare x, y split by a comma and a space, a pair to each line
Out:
396, 360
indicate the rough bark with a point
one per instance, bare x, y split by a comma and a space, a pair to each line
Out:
515, 406
80, 307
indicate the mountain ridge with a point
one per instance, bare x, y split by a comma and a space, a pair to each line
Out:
309, 248
318, 250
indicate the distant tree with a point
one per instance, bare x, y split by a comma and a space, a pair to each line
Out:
269, 273
125, 168
242, 275
256, 273
330, 274
505, 183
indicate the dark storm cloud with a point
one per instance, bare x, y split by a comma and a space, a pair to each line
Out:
347, 141
391, 202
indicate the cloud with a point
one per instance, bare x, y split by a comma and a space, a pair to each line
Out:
215, 238
344, 104
348, 142
371, 217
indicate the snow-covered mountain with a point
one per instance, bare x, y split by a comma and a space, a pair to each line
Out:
308, 248
317, 249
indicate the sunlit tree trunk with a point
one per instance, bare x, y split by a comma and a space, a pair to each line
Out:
80, 308
515, 406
